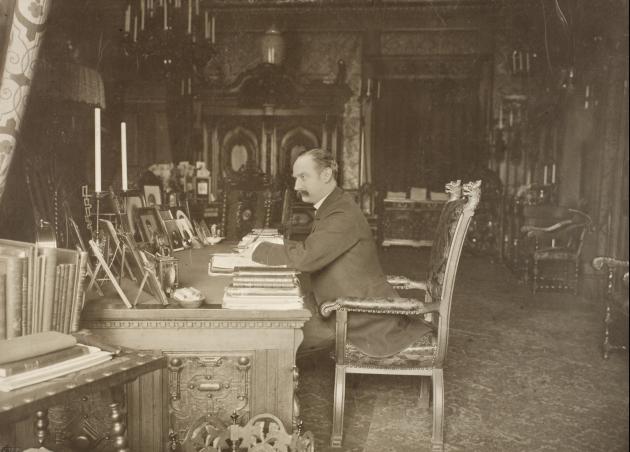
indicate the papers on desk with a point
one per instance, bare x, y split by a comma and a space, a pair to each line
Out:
224, 263
94, 357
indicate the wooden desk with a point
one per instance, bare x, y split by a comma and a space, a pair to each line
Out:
16, 406
219, 360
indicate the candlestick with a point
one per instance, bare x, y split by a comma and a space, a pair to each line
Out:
213, 30
97, 150
123, 154
545, 175
553, 173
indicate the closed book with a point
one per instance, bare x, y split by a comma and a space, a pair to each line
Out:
79, 291
23, 365
29, 251
264, 271
33, 345
264, 291
11, 266
57, 299
3, 306
264, 282
49, 287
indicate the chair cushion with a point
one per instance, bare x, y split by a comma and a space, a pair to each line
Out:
420, 354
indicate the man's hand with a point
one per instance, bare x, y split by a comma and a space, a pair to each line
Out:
248, 251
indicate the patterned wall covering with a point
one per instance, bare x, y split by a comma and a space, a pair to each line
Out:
320, 55
434, 42
27, 30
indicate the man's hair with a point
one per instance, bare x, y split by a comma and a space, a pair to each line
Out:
323, 159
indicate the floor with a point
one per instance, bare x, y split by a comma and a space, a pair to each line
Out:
524, 373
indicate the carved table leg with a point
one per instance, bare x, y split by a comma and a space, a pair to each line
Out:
41, 426
119, 429
297, 420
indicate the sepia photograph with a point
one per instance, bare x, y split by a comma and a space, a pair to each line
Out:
314, 225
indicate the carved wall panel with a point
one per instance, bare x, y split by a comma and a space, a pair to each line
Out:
203, 386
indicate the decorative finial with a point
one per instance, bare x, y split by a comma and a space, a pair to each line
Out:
472, 190
454, 190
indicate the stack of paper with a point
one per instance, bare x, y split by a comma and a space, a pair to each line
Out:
224, 263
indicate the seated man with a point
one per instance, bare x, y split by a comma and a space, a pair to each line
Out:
341, 257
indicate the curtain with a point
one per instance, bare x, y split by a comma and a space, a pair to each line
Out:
427, 132
26, 33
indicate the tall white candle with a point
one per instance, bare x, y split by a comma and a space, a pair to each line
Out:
553, 173
142, 8
545, 175
206, 30
97, 150
189, 17
273, 55
165, 15
128, 19
369, 87
213, 30
123, 154
196, 7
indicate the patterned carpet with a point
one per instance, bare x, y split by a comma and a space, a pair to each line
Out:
524, 373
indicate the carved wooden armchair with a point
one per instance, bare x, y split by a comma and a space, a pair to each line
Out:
551, 246
425, 357
615, 301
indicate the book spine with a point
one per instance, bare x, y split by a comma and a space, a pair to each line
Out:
36, 362
264, 283
3, 306
57, 300
13, 297
264, 271
49, 287
25, 289
68, 305
262, 291
79, 290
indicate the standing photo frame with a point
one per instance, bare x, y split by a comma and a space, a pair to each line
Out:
153, 195
150, 224
175, 238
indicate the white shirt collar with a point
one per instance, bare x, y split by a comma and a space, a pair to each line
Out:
319, 203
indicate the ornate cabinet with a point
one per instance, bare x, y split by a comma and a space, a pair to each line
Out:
410, 223
264, 119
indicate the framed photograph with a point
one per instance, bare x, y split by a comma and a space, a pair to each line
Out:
133, 202
185, 231
153, 195
202, 187
166, 214
141, 266
150, 223
174, 235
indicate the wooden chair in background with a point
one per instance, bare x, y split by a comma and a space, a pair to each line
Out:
425, 357
615, 297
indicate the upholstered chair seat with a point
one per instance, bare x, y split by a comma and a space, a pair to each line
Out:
419, 355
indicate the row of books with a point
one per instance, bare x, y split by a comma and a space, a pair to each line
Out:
41, 288
39, 357
266, 288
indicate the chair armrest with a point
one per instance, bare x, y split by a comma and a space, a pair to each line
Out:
539, 230
393, 305
610, 262
404, 283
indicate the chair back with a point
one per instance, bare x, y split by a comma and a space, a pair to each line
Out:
445, 253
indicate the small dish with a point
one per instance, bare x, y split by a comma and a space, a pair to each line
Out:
189, 303
213, 240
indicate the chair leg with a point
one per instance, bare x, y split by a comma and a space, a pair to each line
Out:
338, 401
437, 440
423, 399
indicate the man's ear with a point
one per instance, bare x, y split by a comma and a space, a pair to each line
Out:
327, 173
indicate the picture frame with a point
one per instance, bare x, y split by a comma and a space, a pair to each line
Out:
139, 265
153, 195
202, 187
150, 223
166, 214
175, 238
185, 232
133, 202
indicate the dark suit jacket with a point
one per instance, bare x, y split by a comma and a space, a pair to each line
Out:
341, 257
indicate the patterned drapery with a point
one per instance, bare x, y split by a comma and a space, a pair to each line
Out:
27, 31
